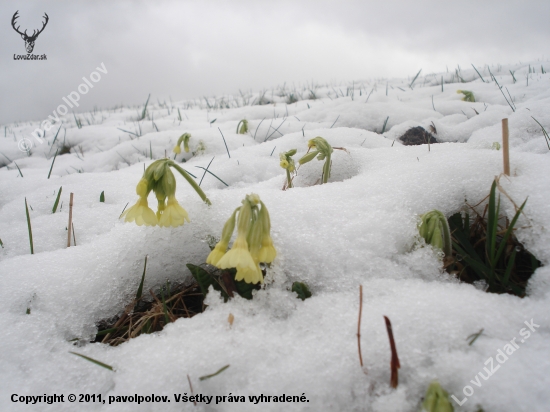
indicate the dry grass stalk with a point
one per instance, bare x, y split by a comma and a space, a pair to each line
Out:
359, 324
394, 363
152, 316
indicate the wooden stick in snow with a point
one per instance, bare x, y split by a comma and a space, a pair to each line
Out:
505, 147
70, 221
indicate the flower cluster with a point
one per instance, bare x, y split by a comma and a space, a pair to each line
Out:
323, 151
287, 163
184, 138
158, 177
252, 245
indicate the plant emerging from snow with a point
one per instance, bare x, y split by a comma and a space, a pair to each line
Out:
253, 244
244, 128
287, 163
436, 399
435, 231
158, 177
323, 150
468, 95
184, 138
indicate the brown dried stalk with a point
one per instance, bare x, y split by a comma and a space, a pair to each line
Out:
359, 324
394, 364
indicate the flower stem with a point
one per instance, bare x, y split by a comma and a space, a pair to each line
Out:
326, 169
191, 182
289, 180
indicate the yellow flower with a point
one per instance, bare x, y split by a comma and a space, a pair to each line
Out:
267, 252
239, 257
284, 164
218, 252
173, 215
141, 213
177, 149
141, 188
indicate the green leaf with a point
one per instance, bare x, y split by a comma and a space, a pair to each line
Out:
202, 378
203, 278
245, 289
54, 209
102, 197
103, 365
302, 290
509, 269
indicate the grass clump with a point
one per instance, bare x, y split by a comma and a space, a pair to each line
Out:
486, 249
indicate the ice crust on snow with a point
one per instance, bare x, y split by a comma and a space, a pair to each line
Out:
360, 228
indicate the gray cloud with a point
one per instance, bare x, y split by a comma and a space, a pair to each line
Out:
196, 48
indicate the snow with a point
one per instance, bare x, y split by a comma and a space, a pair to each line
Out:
359, 229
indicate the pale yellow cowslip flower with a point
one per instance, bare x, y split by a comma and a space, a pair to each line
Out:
221, 247
177, 149
141, 213
267, 252
239, 256
173, 215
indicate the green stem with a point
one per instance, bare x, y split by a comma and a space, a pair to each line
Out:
289, 180
326, 169
191, 182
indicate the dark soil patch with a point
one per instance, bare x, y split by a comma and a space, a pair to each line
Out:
417, 136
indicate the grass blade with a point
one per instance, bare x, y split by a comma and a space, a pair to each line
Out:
53, 161
385, 124
103, 365
480, 76
415, 77
145, 108
492, 221
124, 209
140, 288
508, 272
224, 142
29, 225
206, 170
544, 132
509, 231
102, 197
202, 378
54, 209
18, 169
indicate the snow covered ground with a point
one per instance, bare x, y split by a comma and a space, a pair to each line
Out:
360, 229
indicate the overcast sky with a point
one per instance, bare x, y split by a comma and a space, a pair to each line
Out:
187, 49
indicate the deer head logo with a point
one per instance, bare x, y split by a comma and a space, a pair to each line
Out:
29, 40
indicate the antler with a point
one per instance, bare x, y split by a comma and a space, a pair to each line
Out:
15, 16
43, 25
34, 34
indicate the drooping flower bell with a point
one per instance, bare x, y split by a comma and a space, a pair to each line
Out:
252, 245
141, 213
323, 151
184, 138
160, 179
